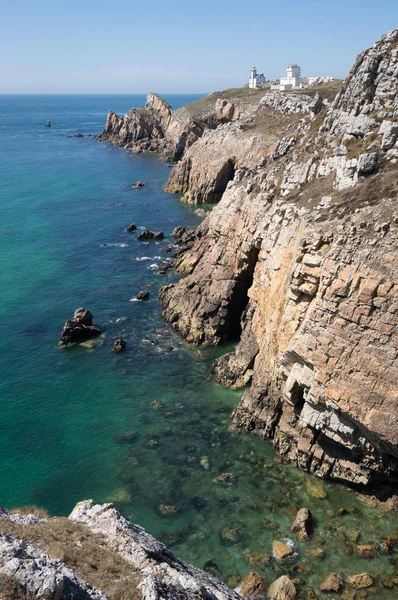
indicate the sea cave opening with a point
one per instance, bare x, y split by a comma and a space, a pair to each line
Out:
240, 298
297, 397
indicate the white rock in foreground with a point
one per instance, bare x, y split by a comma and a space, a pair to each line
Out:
41, 575
164, 576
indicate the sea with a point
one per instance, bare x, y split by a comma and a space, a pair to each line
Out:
146, 429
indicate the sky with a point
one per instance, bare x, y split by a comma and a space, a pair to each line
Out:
173, 46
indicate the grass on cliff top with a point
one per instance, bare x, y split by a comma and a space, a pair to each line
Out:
81, 550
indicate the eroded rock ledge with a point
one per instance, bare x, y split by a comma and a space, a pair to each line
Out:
298, 262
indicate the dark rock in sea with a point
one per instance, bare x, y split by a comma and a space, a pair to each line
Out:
166, 348
79, 135
163, 267
139, 184
131, 227
79, 329
142, 295
167, 249
119, 345
147, 234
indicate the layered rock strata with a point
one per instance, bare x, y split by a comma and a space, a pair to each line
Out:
298, 262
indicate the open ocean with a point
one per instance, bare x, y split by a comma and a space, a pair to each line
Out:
65, 413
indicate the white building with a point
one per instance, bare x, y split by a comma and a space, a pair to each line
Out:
292, 80
256, 79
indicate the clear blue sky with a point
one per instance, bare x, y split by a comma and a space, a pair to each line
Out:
127, 46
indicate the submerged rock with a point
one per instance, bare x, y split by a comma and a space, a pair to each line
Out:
226, 479
366, 550
332, 583
230, 535
79, 328
360, 580
259, 560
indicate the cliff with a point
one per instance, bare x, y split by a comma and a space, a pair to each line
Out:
298, 264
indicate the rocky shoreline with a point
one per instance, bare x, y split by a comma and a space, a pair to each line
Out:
297, 262
96, 547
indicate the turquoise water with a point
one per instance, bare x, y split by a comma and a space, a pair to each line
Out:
65, 413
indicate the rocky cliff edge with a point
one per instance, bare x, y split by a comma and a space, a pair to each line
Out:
298, 263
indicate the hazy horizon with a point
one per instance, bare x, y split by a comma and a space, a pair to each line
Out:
83, 48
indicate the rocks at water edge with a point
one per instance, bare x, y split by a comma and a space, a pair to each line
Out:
136, 184
360, 581
282, 589
253, 586
79, 329
303, 524
119, 345
147, 234
142, 295
332, 583
281, 551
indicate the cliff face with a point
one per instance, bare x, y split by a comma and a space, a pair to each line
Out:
298, 262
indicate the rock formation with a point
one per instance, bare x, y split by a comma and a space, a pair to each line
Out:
157, 571
79, 328
298, 263
163, 574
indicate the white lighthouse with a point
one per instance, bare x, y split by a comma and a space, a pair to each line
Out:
256, 79
292, 79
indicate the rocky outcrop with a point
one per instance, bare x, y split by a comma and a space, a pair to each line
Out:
79, 328
302, 269
163, 574
40, 575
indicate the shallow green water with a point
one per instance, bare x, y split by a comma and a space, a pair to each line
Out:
65, 413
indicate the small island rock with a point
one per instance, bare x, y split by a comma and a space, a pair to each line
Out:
147, 234
360, 580
119, 345
281, 551
142, 295
79, 329
303, 524
132, 227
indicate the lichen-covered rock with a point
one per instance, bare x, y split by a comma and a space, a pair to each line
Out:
163, 574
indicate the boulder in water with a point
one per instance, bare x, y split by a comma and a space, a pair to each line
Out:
119, 345
79, 329
132, 227
142, 295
